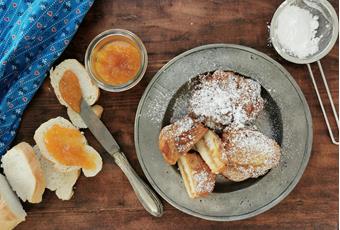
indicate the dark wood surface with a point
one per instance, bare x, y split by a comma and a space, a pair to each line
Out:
168, 28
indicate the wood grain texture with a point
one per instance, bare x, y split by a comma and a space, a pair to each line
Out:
168, 28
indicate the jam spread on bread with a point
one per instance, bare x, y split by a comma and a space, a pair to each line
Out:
67, 146
70, 90
117, 60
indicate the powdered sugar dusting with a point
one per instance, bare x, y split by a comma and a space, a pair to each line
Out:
251, 152
250, 142
250, 171
225, 98
181, 132
183, 125
156, 108
204, 182
180, 107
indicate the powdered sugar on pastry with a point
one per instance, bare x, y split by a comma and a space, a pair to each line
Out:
251, 147
179, 138
186, 133
204, 182
183, 125
249, 153
197, 177
225, 98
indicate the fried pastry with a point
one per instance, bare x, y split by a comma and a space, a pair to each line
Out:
197, 177
249, 154
210, 148
179, 137
225, 99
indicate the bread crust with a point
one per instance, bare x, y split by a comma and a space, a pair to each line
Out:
35, 166
8, 219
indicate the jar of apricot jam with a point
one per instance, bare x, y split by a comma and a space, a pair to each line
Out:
116, 60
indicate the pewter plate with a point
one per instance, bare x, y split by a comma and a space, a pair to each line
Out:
286, 118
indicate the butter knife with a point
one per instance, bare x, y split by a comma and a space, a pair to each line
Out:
144, 194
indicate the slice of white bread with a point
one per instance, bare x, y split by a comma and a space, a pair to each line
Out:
39, 139
78, 121
24, 172
90, 92
60, 182
11, 210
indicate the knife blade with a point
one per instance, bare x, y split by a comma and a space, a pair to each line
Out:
145, 195
98, 129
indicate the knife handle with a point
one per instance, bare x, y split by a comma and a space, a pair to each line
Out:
144, 194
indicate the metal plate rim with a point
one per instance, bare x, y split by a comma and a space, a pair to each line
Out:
308, 145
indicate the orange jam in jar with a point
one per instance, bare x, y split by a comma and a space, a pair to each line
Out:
116, 60
67, 146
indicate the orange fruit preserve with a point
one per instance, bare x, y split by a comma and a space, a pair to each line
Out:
70, 90
67, 146
116, 60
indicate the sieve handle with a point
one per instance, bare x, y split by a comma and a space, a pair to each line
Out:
331, 134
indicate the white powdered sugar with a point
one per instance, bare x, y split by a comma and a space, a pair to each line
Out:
155, 112
296, 31
225, 98
183, 125
204, 182
181, 132
250, 171
251, 152
156, 109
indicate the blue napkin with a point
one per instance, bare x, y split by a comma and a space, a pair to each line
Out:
33, 34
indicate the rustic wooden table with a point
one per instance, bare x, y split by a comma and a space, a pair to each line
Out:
168, 28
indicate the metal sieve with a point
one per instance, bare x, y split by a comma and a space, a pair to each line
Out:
328, 33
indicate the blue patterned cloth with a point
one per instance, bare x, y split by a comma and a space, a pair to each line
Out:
33, 34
